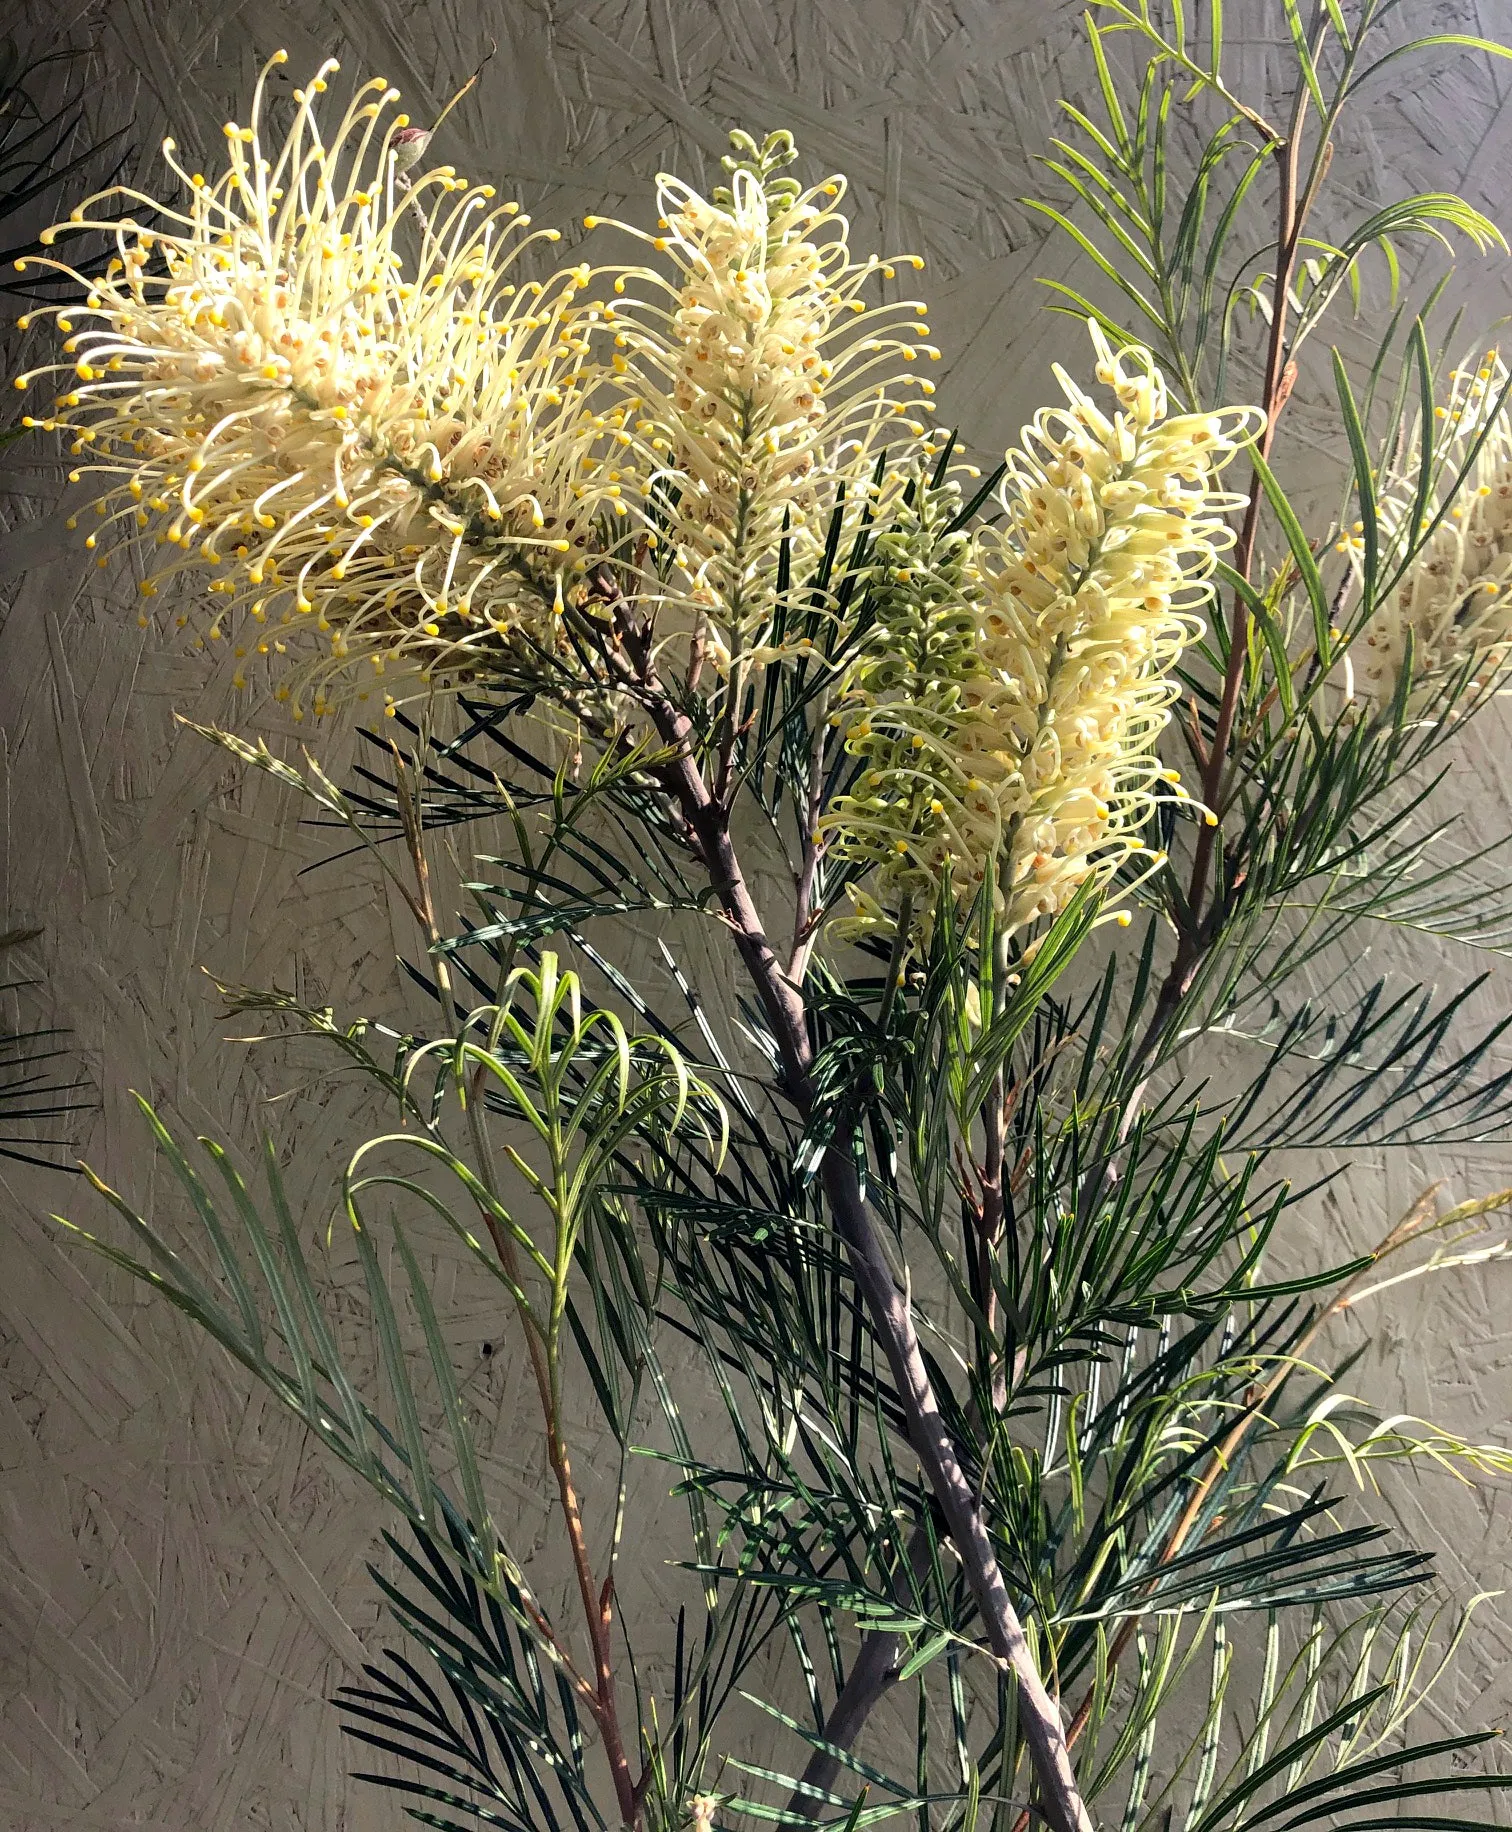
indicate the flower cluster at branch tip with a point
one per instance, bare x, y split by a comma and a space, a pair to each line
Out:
318, 381
1007, 703
764, 386
1454, 601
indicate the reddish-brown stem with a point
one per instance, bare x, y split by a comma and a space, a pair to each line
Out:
421, 903
873, 1673
598, 1696
1279, 376
597, 1602
887, 1305
598, 1615
707, 819
597, 1606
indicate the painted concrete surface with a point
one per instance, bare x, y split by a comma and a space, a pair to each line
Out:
182, 1578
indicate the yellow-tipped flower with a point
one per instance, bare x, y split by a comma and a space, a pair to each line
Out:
763, 383
319, 377
1024, 746
1455, 600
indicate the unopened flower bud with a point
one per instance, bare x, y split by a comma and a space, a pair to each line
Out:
408, 146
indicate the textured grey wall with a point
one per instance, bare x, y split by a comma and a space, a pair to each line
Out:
181, 1579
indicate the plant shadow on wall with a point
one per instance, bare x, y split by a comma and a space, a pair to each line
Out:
43, 147
661, 565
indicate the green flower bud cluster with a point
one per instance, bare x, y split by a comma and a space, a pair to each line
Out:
916, 680
763, 161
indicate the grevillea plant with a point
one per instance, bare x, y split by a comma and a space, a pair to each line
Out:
997, 1398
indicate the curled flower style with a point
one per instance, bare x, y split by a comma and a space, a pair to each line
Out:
318, 380
1008, 730
1452, 607
764, 386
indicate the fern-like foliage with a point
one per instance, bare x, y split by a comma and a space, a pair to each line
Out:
946, 1277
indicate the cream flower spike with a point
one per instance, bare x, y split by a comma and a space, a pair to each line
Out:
763, 384
318, 378
1455, 600
1025, 748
